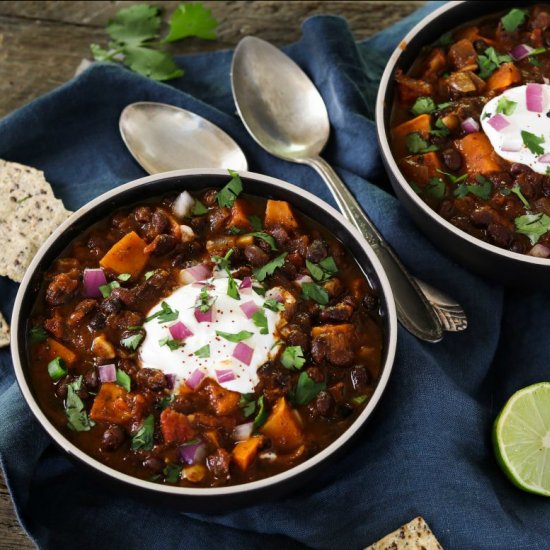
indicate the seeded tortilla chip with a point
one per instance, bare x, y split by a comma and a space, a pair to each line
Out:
29, 213
415, 535
4, 332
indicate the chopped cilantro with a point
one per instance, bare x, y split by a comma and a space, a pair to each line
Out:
204, 352
132, 342
533, 225
445, 39
506, 106
293, 358
313, 291
359, 399
227, 195
417, 144
259, 290
237, 337
306, 389
199, 209
274, 305
37, 334
513, 19
56, 369
77, 417
517, 191
108, 288
440, 129
163, 402
435, 188
534, 61
247, 404
265, 237
122, 379
172, 472
261, 415
260, 320
324, 270
124, 277
205, 301
255, 222
232, 288
423, 105
149, 274
235, 230
532, 142
452, 178
165, 314
489, 61
191, 19
270, 267
441, 106
171, 343
144, 436
482, 190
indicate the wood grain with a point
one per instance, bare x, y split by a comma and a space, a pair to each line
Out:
42, 43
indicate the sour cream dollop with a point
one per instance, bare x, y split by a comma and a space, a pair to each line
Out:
522, 109
228, 317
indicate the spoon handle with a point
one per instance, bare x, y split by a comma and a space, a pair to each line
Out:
413, 310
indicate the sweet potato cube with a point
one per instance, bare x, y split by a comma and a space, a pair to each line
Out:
245, 452
127, 255
224, 402
239, 216
478, 154
175, 426
505, 76
50, 349
111, 405
334, 343
420, 168
279, 213
283, 427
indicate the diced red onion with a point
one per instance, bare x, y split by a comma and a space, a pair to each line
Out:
183, 204
204, 316
191, 454
107, 373
521, 51
246, 283
303, 279
170, 381
545, 159
195, 379
534, 97
179, 331
249, 308
225, 375
539, 251
275, 294
243, 353
498, 122
470, 125
92, 280
242, 431
196, 273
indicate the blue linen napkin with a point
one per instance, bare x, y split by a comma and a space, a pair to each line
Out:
427, 450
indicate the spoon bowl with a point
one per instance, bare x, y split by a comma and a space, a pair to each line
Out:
162, 138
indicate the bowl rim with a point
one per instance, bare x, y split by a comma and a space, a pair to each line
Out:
385, 82
70, 448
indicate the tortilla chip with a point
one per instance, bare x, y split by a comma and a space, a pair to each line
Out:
4, 332
415, 535
29, 214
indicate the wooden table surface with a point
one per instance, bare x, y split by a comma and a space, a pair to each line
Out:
42, 43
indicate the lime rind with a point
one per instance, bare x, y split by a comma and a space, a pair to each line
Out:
521, 438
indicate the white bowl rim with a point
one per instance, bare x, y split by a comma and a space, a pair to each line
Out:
206, 491
385, 82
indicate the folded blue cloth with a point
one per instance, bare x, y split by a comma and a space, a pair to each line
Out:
427, 450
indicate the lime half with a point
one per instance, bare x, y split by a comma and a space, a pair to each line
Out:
521, 438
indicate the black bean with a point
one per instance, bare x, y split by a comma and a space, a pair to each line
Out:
142, 214
156, 465
501, 235
97, 322
447, 209
255, 255
452, 159
280, 235
91, 380
152, 379
209, 198
316, 251
546, 37
518, 168
297, 337
112, 438
343, 410
159, 222
164, 243
480, 46
324, 403
111, 305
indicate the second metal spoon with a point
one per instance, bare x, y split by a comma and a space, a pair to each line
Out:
286, 115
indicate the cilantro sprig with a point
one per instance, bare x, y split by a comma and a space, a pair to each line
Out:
164, 315
270, 267
135, 38
489, 61
417, 144
533, 142
77, 417
227, 195
513, 19
482, 189
532, 225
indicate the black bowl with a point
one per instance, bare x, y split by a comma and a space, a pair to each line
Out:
486, 259
202, 499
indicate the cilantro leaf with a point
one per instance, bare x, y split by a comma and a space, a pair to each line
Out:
423, 105
261, 415
417, 144
452, 178
237, 337
489, 61
483, 190
155, 64
255, 222
56, 369
359, 399
204, 352
122, 379
532, 142
37, 334
171, 343
440, 129
247, 404
199, 209
149, 274
260, 320
274, 305
232, 288
324, 270
135, 25
513, 19
165, 314
172, 472
191, 20
144, 436
124, 277
506, 106
132, 342
517, 191
227, 195
533, 225
77, 417
435, 188
293, 358
306, 389
108, 288
265, 237
270, 267
259, 290
315, 292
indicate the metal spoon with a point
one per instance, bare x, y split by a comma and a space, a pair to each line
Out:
162, 137
283, 111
